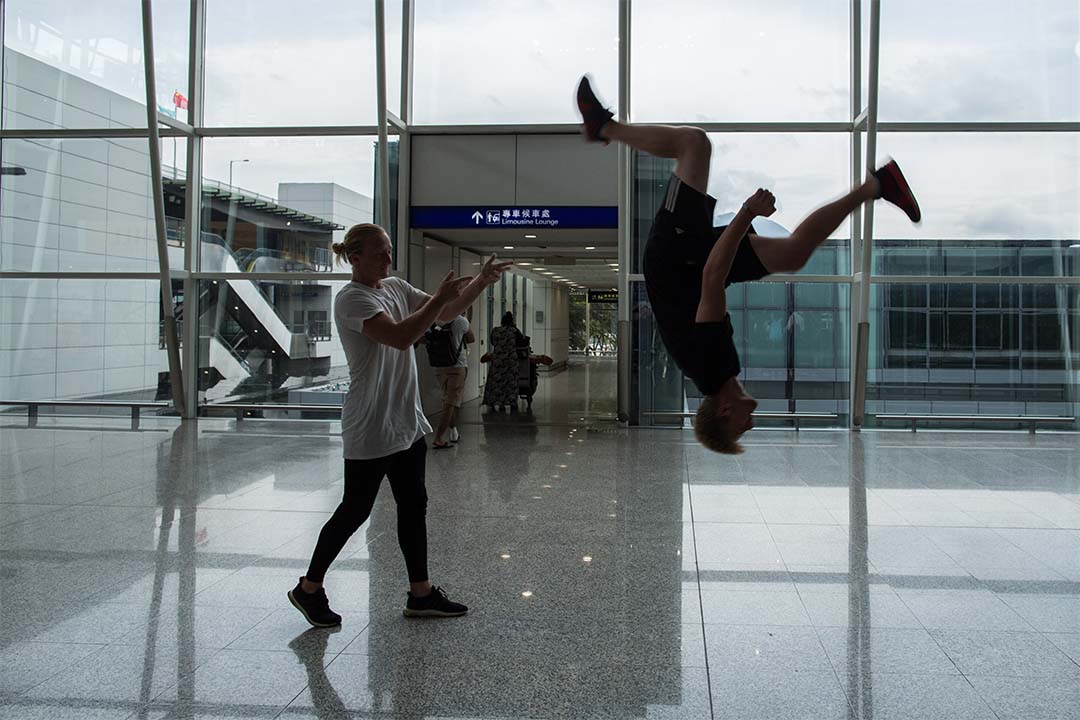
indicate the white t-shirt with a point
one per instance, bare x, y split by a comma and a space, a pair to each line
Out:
382, 414
458, 327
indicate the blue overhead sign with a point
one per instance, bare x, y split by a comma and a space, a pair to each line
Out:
531, 216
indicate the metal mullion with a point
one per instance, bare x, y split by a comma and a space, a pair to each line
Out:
408, 23
172, 342
3, 69
404, 222
383, 164
174, 124
510, 129
297, 276
29, 275
862, 349
975, 280
983, 127
193, 200
625, 202
855, 241
286, 130
395, 121
766, 127
544, 129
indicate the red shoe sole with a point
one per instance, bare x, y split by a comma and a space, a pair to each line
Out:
909, 197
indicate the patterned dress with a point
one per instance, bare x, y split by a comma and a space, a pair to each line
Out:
502, 380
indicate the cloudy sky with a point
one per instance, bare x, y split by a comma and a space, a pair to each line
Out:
516, 61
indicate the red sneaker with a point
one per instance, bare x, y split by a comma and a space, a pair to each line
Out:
895, 189
593, 113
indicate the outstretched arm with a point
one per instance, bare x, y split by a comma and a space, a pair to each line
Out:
403, 335
489, 273
713, 304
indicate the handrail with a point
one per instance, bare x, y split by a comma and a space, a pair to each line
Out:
1031, 420
240, 408
33, 405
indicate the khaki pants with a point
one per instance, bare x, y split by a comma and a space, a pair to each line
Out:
452, 382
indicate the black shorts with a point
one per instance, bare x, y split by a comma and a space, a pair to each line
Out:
680, 241
682, 236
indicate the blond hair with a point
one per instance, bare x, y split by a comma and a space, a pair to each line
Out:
713, 429
355, 239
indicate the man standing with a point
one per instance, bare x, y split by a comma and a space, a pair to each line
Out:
448, 356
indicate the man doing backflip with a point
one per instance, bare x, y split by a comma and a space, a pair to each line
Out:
688, 263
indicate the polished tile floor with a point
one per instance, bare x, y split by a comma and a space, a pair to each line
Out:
611, 573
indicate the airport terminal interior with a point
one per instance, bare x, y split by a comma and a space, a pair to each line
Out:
899, 539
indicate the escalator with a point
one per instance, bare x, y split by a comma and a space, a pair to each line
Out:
247, 350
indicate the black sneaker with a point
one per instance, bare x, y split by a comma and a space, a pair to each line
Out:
593, 114
895, 189
436, 604
314, 606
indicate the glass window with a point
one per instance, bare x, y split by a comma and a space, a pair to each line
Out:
394, 9
511, 61
804, 171
87, 339
952, 358
277, 204
83, 205
658, 380
1009, 62
171, 31
269, 341
701, 61
73, 65
792, 359
266, 64
989, 202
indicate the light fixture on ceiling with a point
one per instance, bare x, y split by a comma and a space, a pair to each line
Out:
530, 237
590, 247
524, 263
508, 247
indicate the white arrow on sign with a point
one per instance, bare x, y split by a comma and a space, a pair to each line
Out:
477, 217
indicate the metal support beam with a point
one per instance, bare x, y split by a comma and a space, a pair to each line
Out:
858, 115
404, 224
172, 342
193, 202
380, 92
862, 351
408, 23
625, 189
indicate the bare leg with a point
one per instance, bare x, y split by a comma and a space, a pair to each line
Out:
445, 421
791, 253
688, 145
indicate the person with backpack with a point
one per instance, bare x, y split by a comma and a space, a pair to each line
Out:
446, 352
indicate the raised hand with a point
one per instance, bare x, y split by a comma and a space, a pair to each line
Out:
491, 270
761, 204
450, 287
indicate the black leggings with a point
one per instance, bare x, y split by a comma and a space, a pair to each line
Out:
363, 478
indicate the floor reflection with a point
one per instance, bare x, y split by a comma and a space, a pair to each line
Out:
859, 670
612, 573
584, 393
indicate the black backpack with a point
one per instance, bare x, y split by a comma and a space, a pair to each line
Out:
440, 346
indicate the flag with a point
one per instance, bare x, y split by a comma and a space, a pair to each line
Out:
179, 100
